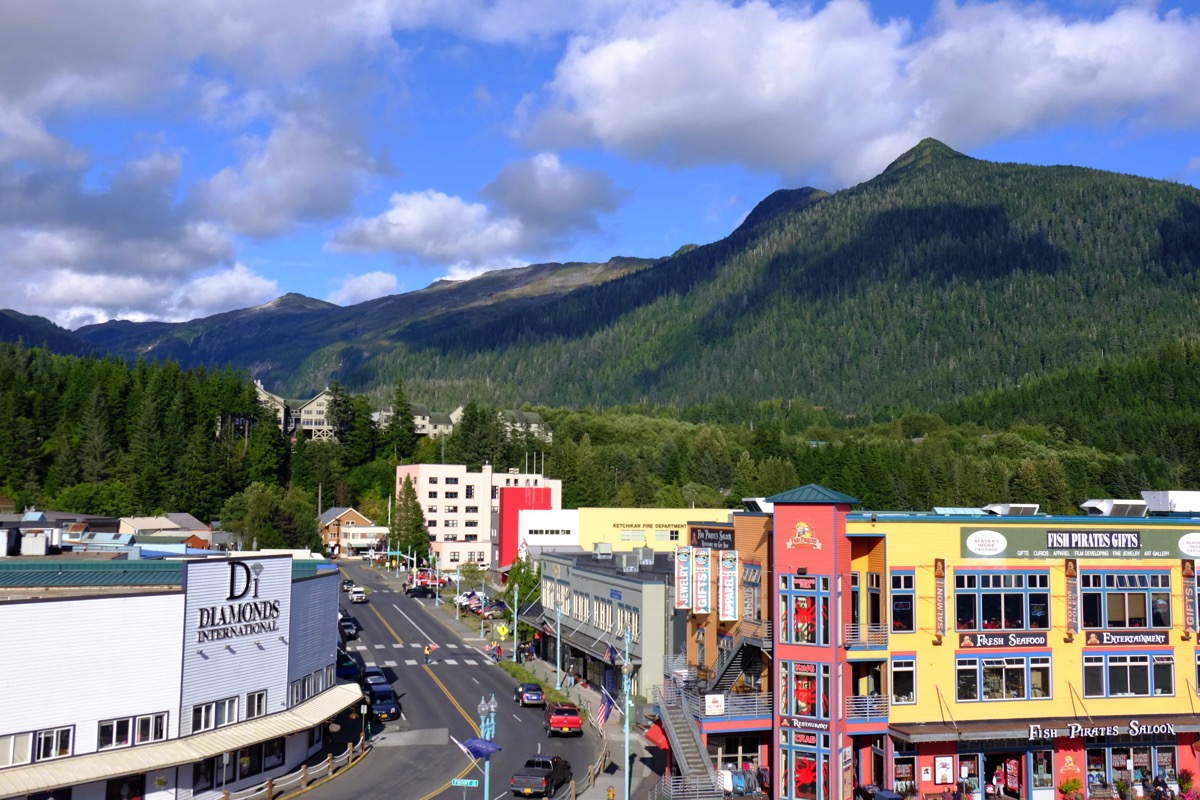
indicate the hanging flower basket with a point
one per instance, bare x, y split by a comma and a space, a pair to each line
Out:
334, 727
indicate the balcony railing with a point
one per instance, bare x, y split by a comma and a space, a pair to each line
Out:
754, 704
866, 706
866, 635
757, 630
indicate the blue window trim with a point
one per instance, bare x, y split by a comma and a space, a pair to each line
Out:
819, 751
1025, 590
895, 594
819, 595
1107, 654
892, 681
820, 702
1147, 590
980, 656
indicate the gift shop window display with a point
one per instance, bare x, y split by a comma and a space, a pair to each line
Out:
804, 609
1130, 758
804, 768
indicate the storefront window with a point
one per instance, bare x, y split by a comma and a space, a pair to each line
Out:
967, 671
904, 776
968, 771
1130, 758
1043, 769
1120, 675
903, 617
1126, 599
1011, 678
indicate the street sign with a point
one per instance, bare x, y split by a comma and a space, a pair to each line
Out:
464, 782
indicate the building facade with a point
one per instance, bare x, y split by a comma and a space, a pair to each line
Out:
463, 510
188, 679
346, 532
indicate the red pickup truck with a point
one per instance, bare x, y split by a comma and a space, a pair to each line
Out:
563, 718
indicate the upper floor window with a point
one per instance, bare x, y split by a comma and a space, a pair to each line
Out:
470, 492
804, 609
1126, 599
472, 509
15, 749
214, 715
904, 617
451, 509
472, 523
904, 681
1008, 678
1001, 600
451, 495
256, 704
452, 481
54, 743
433, 480
433, 495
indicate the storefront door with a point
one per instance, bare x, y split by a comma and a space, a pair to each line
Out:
1005, 774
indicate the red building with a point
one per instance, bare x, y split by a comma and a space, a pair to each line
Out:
514, 500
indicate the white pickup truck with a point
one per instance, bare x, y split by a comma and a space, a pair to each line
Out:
357, 595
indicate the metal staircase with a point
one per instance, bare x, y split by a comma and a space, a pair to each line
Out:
698, 779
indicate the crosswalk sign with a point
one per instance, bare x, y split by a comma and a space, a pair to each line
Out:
502, 630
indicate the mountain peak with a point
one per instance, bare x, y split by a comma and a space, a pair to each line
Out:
927, 153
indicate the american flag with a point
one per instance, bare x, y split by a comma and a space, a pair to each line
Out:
610, 654
603, 712
547, 628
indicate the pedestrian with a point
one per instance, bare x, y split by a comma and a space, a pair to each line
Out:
499, 652
427, 652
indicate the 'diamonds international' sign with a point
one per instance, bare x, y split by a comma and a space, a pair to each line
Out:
1011, 542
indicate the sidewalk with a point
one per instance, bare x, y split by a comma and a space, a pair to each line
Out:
648, 763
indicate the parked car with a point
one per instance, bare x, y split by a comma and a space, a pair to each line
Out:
373, 676
347, 585
384, 703
349, 629
349, 665
562, 718
541, 775
420, 591
495, 610
357, 595
529, 694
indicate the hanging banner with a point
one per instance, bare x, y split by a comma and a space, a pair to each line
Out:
702, 580
1188, 568
727, 585
683, 577
1071, 569
939, 597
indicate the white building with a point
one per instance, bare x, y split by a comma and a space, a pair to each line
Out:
462, 509
174, 679
547, 530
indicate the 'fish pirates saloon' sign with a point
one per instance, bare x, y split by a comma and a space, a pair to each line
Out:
1075, 730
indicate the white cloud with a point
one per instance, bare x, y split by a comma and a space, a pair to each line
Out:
835, 91
302, 172
236, 287
534, 205
360, 288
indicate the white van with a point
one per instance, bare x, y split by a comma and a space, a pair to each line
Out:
357, 595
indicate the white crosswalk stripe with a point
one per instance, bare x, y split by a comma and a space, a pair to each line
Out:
470, 661
379, 646
397, 644
389, 663
449, 661
412, 662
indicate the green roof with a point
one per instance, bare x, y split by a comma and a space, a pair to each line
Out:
814, 495
19, 572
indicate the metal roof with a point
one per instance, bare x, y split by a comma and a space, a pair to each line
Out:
812, 494
94, 767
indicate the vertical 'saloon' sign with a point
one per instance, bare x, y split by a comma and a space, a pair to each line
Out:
702, 573
683, 576
727, 585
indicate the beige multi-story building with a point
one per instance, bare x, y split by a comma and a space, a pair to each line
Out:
462, 508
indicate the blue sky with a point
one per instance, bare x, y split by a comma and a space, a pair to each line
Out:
174, 160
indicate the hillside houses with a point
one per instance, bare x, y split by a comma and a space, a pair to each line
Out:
311, 416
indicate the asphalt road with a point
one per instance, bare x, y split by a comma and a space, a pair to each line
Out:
414, 756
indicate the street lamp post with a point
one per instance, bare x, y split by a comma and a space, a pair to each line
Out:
482, 602
487, 730
558, 649
457, 588
626, 679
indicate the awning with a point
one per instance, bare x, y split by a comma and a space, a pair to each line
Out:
657, 736
1020, 728
60, 773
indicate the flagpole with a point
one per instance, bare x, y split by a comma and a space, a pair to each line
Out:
627, 671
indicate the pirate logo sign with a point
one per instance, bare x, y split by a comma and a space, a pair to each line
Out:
803, 537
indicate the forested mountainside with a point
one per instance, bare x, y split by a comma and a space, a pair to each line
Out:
38, 331
275, 340
941, 277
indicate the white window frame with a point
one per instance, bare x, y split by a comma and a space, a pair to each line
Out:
256, 704
55, 738
908, 665
11, 746
156, 728
116, 725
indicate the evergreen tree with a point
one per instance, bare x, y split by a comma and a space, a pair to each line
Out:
266, 453
408, 523
400, 434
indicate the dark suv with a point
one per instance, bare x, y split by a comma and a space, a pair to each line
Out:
384, 703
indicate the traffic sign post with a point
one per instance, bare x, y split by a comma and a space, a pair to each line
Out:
464, 782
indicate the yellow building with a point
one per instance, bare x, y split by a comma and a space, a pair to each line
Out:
660, 529
999, 651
